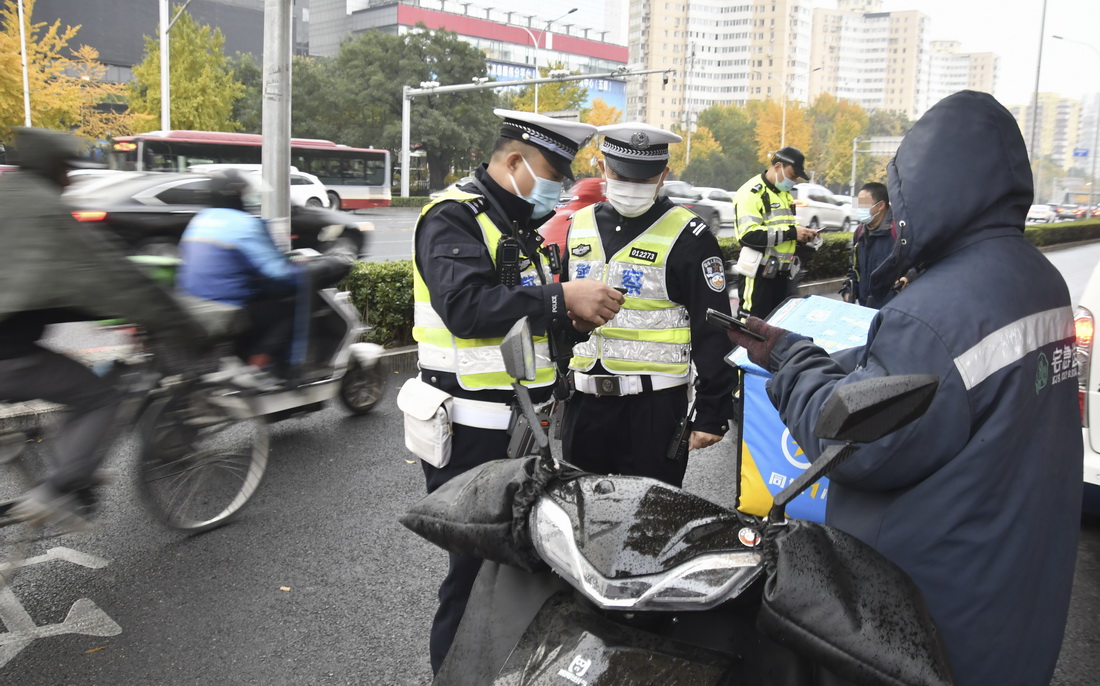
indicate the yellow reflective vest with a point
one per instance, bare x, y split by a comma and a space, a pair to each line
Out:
476, 362
759, 207
651, 334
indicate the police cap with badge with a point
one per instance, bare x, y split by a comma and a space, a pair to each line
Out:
557, 139
635, 150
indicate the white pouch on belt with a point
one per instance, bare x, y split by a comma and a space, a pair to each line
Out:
427, 421
748, 261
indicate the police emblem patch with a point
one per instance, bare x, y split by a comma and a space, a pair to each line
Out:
714, 274
647, 255
581, 250
639, 140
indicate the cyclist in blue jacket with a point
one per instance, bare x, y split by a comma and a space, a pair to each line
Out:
229, 256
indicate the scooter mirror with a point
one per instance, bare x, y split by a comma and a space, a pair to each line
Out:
867, 410
518, 350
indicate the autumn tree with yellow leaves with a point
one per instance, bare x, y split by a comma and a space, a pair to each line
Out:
600, 114
67, 90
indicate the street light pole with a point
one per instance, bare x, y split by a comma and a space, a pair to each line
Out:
432, 88
26, 79
165, 84
1035, 101
786, 91
275, 120
1096, 135
536, 42
852, 187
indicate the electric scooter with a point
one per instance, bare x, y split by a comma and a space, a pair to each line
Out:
628, 580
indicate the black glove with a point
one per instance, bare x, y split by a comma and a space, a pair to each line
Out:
760, 352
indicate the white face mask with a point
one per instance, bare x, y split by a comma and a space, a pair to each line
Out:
630, 199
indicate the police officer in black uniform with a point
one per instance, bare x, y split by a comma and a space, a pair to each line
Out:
631, 377
480, 267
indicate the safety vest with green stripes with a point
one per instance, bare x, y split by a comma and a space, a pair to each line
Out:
476, 362
650, 334
754, 205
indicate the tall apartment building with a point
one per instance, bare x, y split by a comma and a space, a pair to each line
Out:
880, 60
732, 51
1051, 128
950, 70
721, 52
507, 37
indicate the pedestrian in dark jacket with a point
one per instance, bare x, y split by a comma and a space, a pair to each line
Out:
872, 244
979, 500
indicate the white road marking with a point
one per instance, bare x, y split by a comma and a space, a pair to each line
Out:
85, 617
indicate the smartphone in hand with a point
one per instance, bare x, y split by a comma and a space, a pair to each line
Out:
724, 321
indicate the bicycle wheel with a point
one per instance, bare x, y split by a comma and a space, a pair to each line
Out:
200, 460
15, 479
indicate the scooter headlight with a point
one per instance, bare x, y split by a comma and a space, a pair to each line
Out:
697, 584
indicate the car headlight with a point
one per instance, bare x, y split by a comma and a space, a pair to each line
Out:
697, 584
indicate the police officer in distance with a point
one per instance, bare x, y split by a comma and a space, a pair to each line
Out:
479, 267
769, 233
631, 376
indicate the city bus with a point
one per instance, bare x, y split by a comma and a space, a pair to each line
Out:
355, 178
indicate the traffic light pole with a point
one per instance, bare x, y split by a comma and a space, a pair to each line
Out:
427, 88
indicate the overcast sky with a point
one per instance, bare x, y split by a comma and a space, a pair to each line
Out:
1010, 28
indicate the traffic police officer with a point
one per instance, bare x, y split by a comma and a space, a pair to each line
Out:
768, 232
631, 376
479, 267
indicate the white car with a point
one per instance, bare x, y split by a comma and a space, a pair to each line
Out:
306, 190
817, 208
1088, 388
723, 201
1042, 213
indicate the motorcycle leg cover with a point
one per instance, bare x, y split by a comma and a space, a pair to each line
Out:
835, 600
502, 604
483, 512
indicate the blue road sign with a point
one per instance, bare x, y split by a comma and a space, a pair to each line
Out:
1080, 152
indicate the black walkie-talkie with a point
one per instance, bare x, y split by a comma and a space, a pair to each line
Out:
508, 258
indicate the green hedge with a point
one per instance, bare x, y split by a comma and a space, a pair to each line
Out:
413, 201
383, 294
830, 261
383, 290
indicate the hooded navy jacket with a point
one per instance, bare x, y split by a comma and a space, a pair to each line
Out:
979, 500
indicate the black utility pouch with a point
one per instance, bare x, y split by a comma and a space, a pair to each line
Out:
770, 269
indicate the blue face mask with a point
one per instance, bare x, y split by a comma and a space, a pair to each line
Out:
545, 194
864, 215
784, 184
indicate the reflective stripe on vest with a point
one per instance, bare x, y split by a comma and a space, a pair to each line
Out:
476, 362
650, 334
751, 212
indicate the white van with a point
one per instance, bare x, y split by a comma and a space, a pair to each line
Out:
817, 208
1088, 388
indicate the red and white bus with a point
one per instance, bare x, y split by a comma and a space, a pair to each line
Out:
354, 177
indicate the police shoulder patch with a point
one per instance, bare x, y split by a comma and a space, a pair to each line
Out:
757, 188
714, 273
581, 250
